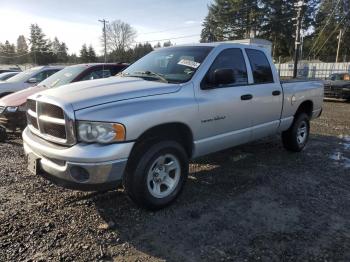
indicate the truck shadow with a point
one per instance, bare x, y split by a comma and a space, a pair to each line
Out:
231, 201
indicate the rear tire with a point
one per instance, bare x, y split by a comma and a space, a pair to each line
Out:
156, 174
297, 136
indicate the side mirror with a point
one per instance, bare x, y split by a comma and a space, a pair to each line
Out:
221, 76
32, 80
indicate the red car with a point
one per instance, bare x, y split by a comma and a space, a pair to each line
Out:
13, 107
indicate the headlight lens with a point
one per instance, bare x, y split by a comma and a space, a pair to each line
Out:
100, 132
11, 109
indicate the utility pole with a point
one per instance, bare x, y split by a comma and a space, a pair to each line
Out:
339, 43
104, 37
297, 38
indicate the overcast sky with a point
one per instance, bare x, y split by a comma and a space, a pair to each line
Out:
76, 21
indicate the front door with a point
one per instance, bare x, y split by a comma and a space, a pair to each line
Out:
224, 111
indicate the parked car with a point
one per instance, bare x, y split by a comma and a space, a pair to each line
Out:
338, 86
13, 106
27, 79
140, 129
7, 75
15, 69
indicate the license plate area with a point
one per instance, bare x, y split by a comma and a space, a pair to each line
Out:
33, 164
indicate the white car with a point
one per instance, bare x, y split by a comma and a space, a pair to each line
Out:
27, 79
7, 75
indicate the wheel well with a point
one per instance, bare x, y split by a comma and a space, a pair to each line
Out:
5, 94
305, 107
177, 131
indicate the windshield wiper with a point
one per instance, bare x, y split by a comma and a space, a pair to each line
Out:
147, 73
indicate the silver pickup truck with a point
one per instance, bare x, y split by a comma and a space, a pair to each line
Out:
141, 128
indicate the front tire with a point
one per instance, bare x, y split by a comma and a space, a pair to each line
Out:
3, 134
156, 174
297, 136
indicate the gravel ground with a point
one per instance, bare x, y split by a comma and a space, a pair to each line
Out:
254, 202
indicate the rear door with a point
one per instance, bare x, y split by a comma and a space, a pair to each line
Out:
267, 94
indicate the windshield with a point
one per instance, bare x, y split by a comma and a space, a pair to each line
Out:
24, 76
173, 65
65, 76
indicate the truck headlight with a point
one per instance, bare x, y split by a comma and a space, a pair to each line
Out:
11, 109
100, 132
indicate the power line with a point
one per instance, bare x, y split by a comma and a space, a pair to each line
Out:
329, 37
170, 29
324, 28
167, 39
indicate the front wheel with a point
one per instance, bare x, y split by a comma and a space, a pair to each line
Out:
297, 136
3, 134
156, 178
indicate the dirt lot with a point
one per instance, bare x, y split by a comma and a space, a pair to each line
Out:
255, 202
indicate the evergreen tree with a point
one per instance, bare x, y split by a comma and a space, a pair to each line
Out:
279, 24
39, 46
22, 50
92, 55
232, 19
167, 44
63, 53
7, 53
158, 45
271, 20
323, 43
59, 50
141, 50
84, 54
72, 59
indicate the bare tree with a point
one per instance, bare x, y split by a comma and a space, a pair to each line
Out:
119, 36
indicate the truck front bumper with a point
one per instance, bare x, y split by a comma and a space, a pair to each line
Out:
87, 167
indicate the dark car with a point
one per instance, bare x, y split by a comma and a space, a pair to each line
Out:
13, 107
10, 70
337, 86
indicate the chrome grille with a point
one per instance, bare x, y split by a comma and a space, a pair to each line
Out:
31, 104
53, 129
52, 111
50, 122
2, 109
32, 121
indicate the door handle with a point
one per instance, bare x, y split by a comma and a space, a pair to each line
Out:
247, 97
276, 93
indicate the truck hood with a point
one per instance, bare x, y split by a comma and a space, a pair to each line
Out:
96, 92
19, 98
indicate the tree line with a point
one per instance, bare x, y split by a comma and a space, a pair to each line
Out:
275, 20
40, 50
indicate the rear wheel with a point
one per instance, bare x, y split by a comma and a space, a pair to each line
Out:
297, 136
156, 174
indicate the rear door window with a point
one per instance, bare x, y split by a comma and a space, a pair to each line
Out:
261, 67
45, 74
97, 73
